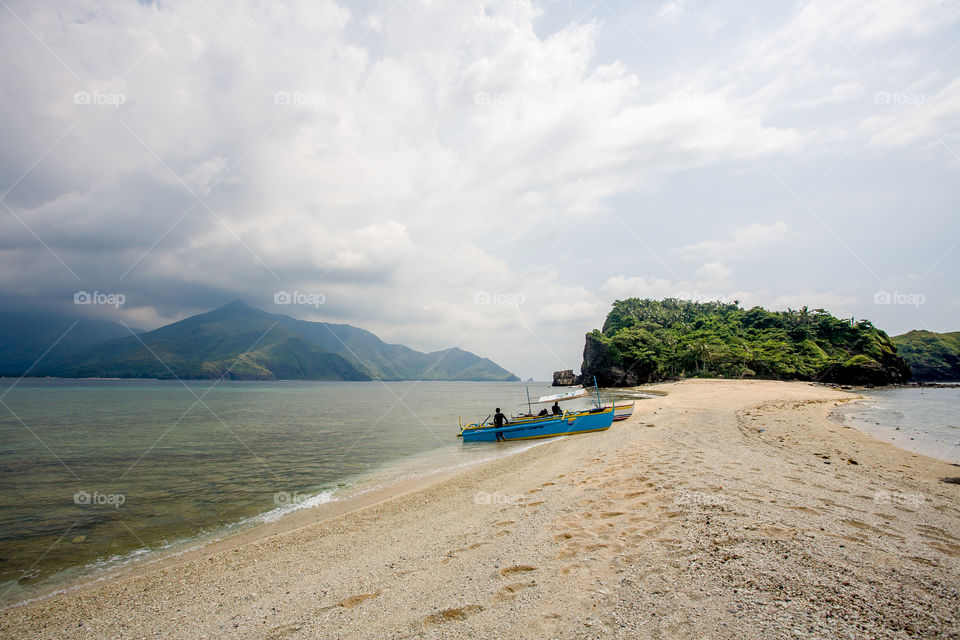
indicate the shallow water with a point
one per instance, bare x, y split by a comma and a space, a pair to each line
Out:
95, 474
924, 420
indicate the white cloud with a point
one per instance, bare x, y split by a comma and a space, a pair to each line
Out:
621, 287
839, 93
713, 272
740, 242
400, 158
671, 9
907, 117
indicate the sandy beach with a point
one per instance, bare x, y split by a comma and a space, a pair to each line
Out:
724, 509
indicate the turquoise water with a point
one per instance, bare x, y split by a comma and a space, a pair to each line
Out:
95, 474
924, 420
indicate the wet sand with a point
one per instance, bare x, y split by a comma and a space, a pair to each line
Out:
726, 509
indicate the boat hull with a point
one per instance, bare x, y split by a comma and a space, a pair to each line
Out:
547, 427
622, 412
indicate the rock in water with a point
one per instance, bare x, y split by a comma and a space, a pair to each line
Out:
564, 378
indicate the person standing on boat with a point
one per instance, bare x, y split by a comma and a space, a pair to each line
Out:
556, 408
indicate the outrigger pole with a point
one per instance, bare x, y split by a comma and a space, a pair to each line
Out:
529, 410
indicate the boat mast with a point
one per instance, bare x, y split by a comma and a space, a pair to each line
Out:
529, 410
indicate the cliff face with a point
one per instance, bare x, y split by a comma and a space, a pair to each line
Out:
599, 362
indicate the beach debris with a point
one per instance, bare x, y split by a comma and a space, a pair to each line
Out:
353, 601
951, 480
852, 461
450, 615
520, 568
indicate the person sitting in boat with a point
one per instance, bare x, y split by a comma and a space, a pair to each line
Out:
556, 409
499, 419
543, 412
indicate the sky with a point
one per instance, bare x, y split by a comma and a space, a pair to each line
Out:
488, 175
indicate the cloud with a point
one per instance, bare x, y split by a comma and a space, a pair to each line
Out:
713, 272
402, 158
738, 244
621, 287
640, 287
671, 9
906, 117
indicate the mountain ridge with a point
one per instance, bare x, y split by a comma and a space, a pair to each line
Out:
237, 341
933, 357
28, 338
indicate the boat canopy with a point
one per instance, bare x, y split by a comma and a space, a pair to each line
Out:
566, 395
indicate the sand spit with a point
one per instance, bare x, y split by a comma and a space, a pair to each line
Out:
726, 509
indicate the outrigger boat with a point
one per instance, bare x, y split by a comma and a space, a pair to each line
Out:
622, 410
528, 427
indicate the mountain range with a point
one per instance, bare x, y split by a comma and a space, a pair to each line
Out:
235, 341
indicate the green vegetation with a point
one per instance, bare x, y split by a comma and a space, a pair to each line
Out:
28, 337
382, 361
242, 343
649, 340
236, 342
932, 356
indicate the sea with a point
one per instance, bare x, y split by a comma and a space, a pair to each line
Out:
920, 419
99, 475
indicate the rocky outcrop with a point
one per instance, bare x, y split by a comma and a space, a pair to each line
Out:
565, 378
609, 372
862, 370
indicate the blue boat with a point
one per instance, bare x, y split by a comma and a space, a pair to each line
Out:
528, 428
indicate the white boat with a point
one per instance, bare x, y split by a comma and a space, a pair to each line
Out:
566, 395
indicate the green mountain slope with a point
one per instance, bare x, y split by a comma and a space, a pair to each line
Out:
240, 342
932, 356
26, 337
234, 341
649, 340
384, 361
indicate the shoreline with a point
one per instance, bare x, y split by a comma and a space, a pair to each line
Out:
864, 415
189, 549
681, 520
